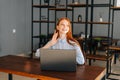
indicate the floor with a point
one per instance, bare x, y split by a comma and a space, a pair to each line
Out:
115, 69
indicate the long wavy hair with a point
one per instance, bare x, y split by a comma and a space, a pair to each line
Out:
69, 33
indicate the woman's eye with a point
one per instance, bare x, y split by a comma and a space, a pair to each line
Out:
62, 24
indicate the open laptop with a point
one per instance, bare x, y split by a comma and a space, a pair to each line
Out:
58, 59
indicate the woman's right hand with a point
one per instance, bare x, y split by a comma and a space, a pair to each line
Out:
54, 38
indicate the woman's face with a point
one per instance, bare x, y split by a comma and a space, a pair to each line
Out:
63, 27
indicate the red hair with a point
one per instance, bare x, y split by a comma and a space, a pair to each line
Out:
69, 33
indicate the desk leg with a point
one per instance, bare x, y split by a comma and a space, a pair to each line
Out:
9, 76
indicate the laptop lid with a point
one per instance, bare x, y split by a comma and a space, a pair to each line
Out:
58, 60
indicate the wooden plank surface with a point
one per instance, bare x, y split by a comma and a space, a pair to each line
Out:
31, 68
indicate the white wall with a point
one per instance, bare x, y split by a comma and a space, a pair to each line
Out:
14, 15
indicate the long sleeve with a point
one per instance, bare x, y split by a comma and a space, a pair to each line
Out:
37, 54
63, 44
79, 56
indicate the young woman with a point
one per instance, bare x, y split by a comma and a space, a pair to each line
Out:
63, 39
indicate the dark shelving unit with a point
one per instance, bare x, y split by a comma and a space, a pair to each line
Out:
92, 55
88, 22
43, 39
68, 7
88, 19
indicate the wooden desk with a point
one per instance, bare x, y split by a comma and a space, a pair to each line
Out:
31, 68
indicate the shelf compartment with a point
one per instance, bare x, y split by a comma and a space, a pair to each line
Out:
115, 8
43, 6
81, 22
101, 5
76, 5
43, 21
89, 5
43, 37
99, 23
91, 22
61, 9
39, 36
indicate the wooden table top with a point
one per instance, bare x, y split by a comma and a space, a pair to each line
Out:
28, 67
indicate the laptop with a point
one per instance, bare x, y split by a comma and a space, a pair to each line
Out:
58, 59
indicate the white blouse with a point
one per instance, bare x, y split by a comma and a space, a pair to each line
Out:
63, 44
